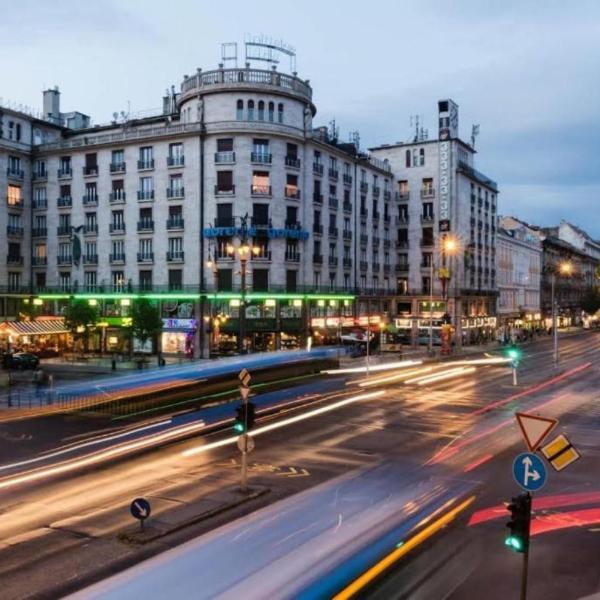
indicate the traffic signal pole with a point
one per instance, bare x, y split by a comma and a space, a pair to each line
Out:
518, 538
526, 554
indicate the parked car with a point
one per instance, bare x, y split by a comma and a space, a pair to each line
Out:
24, 360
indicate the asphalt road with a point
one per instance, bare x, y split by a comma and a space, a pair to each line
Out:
80, 514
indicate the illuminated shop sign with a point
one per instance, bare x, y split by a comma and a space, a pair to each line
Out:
183, 324
445, 184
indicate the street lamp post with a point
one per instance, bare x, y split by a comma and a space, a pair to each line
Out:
565, 268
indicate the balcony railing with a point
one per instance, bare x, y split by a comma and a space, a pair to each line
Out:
90, 229
292, 256
364, 238
175, 223
263, 255
318, 228
145, 257
347, 179
175, 161
402, 244
364, 213
145, 225
63, 230
333, 231
427, 193
40, 203
225, 157
387, 268
64, 202
401, 268
39, 232
223, 190
64, 260
91, 171
145, 195
145, 165
387, 243
403, 196
90, 259
347, 234
387, 195
89, 199
376, 266
292, 161
262, 158
175, 192
364, 187
333, 173
39, 261
116, 228
347, 263
376, 215
333, 261
347, 206
333, 202
176, 256
376, 240
15, 203
291, 191
14, 230
15, 173
318, 259
117, 258
427, 218
117, 197
317, 198
293, 225
65, 173
317, 168
376, 191
427, 242
117, 167
364, 265
260, 190
224, 222
12, 259
40, 175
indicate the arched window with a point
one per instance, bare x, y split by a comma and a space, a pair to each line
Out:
250, 110
271, 112
240, 110
422, 157
408, 158
261, 111
280, 113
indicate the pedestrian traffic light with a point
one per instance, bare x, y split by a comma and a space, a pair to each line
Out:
520, 513
239, 424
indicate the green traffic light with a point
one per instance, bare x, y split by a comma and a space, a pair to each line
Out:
514, 542
514, 353
239, 427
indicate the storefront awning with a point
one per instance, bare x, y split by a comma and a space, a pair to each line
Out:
37, 327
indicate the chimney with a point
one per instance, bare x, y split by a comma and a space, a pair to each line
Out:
52, 105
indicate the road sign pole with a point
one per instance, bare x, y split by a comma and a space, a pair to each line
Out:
514, 370
526, 555
244, 484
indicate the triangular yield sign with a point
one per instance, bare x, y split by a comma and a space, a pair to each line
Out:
534, 428
244, 392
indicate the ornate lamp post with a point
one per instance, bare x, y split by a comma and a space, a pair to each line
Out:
565, 269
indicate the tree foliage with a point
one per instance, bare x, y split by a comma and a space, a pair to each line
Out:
79, 317
590, 302
146, 322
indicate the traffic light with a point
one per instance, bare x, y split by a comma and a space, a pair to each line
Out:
245, 418
520, 513
514, 354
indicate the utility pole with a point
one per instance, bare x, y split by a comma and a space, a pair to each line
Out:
431, 306
554, 319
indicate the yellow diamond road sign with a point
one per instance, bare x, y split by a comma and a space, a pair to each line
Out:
244, 377
560, 453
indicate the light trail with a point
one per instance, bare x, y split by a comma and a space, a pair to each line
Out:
375, 571
384, 367
450, 374
497, 360
284, 422
391, 378
477, 463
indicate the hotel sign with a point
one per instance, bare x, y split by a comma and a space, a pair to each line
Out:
445, 185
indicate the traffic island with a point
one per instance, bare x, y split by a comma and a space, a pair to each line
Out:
173, 516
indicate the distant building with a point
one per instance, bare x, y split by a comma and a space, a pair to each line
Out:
441, 194
519, 262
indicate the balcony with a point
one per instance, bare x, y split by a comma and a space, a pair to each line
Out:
224, 222
376, 240
425, 242
117, 197
318, 229
403, 196
145, 225
90, 229
14, 260
63, 230
65, 173
15, 203
225, 157
318, 259
425, 264
402, 244
376, 266
376, 191
292, 256
258, 222
117, 258
387, 195
39, 261
145, 195
386, 219
90, 259
40, 203
347, 263
175, 193
39, 232
333, 202
175, 256
64, 202
364, 213
260, 190
334, 174
347, 206
15, 173
347, 234
317, 198
14, 231
261, 158
364, 238
175, 223
387, 243
317, 168
427, 218
427, 192
386, 268
176, 161
39, 175
347, 179
333, 232
292, 192
333, 261
116, 228
64, 260
117, 167
90, 199
363, 265
364, 187
293, 225
292, 161
91, 171
401, 268
145, 257
376, 215
264, 255
225, 190
145, 165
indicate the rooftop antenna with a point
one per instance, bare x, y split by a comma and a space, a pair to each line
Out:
474, 134
334, 130
229, 53
355, 139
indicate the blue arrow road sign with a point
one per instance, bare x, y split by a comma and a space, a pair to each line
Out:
140, 508
529, 472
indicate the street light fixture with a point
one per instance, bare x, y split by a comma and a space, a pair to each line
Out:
566, 269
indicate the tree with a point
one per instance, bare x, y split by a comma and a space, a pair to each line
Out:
80, 315
28, 311
146, 322
590, 302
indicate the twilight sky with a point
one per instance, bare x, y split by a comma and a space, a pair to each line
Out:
527, 72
